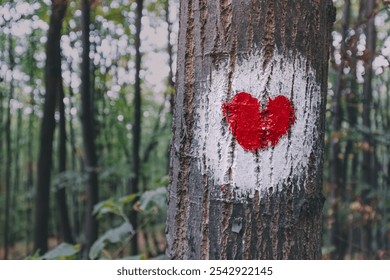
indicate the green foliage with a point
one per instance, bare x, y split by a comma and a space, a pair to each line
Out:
114, 206
63, 251
150, 204
112, 236
153, 198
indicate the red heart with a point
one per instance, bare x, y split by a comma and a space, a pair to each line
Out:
255, 128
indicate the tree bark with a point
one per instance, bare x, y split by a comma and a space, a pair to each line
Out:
137, 122
52, 74
229, 198
88, 128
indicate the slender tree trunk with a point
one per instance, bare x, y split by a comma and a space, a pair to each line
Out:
137, 122
351, 156
8, 148
16, 174
338, 233
87, 120
246, 155
61, 197
31, 133
367, 89
171, 83
52, 74
75, 201
368, 151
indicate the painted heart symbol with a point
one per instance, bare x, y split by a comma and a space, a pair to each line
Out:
254, 128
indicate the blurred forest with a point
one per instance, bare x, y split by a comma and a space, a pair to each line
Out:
85, 126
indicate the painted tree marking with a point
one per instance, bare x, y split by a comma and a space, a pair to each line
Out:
268, 167
254, 128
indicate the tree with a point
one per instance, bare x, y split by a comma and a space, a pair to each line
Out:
66, 229
52, 80
137, 120
248, 128
9, 152
368, 166
87, 122
338, 234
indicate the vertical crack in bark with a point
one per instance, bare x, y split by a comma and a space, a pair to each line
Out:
266, 248
257, 227
204, 247
227, 206
274, 230
226, 17
247, 235
280, 234
283, 8
265, 96
217, 46
184, 158
227, 209
232, 64
269, 35
250, 29
288, 218
203, 22
295, 28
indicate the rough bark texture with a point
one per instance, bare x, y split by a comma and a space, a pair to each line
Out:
226, 202
52, 74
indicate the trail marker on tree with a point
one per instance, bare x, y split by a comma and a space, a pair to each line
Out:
246, 154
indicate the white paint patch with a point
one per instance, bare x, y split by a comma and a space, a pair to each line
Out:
270, 167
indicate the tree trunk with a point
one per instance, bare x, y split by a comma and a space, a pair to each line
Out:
87, 121
370, 33
170, 81
75, 201
31, 136
52, 77
8, 148
368, 165
66, 230
137, 121
246, 155
336, 167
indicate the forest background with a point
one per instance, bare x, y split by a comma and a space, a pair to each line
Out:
111, 128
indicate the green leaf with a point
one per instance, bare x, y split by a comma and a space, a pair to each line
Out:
157, 196
107, 206
136, 257
128, 198
35, 256
62, 251
114, 235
